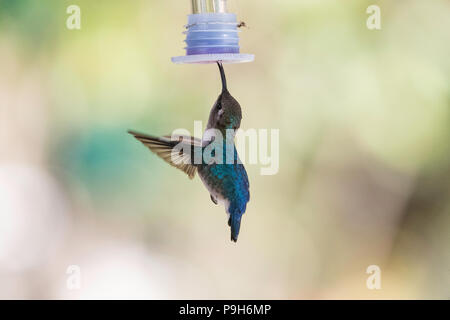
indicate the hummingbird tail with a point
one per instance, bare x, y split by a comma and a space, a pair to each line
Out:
235, 223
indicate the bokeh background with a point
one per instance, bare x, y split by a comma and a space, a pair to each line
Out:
364, 173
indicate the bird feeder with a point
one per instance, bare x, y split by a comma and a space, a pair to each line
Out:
212, 35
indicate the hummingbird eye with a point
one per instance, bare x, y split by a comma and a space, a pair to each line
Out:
219, 106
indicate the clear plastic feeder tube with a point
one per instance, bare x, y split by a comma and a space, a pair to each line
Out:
212, 35
209, 6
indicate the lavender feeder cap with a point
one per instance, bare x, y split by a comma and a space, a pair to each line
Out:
212, 36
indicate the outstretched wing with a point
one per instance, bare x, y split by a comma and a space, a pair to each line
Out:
178, 153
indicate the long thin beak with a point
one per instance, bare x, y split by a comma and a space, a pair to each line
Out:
222, 75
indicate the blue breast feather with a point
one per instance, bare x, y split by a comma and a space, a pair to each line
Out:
229, 180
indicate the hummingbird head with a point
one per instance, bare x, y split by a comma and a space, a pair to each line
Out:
226, 112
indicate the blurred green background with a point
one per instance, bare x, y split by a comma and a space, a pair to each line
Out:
364, 173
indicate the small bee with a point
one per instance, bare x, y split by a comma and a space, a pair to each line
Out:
242, 24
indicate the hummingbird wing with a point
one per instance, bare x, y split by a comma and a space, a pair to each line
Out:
178, 153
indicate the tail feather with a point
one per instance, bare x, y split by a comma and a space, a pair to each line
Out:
235, 224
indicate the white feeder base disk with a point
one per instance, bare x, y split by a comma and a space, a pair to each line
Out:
213, 58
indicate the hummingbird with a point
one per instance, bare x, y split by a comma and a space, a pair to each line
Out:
214, 157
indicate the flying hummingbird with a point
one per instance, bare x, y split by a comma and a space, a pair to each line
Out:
214, 157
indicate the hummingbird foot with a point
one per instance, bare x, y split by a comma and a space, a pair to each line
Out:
214, 200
